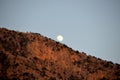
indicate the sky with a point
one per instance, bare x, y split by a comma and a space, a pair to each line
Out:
90, 26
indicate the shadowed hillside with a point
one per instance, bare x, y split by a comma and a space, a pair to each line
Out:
31, 56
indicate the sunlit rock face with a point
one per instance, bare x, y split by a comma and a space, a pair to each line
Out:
31, 56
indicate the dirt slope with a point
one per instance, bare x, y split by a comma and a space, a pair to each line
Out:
31, 56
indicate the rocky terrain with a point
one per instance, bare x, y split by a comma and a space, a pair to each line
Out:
31, 56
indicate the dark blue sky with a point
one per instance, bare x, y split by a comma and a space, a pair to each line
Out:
90, 26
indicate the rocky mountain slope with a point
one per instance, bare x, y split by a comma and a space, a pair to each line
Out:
31, 56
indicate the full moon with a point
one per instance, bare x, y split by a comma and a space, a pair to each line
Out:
60, 38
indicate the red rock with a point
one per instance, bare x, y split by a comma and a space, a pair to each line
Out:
31, 56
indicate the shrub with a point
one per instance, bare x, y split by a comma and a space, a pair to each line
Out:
52, 78
73, 78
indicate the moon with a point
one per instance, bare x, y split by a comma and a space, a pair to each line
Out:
60, 38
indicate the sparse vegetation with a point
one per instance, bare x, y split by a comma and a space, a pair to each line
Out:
31, 56
73, 78
52, 78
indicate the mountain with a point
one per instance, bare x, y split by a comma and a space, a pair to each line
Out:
31, 56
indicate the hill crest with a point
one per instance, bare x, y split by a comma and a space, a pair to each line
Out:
35, 57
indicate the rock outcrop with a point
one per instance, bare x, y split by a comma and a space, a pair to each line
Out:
31, 56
